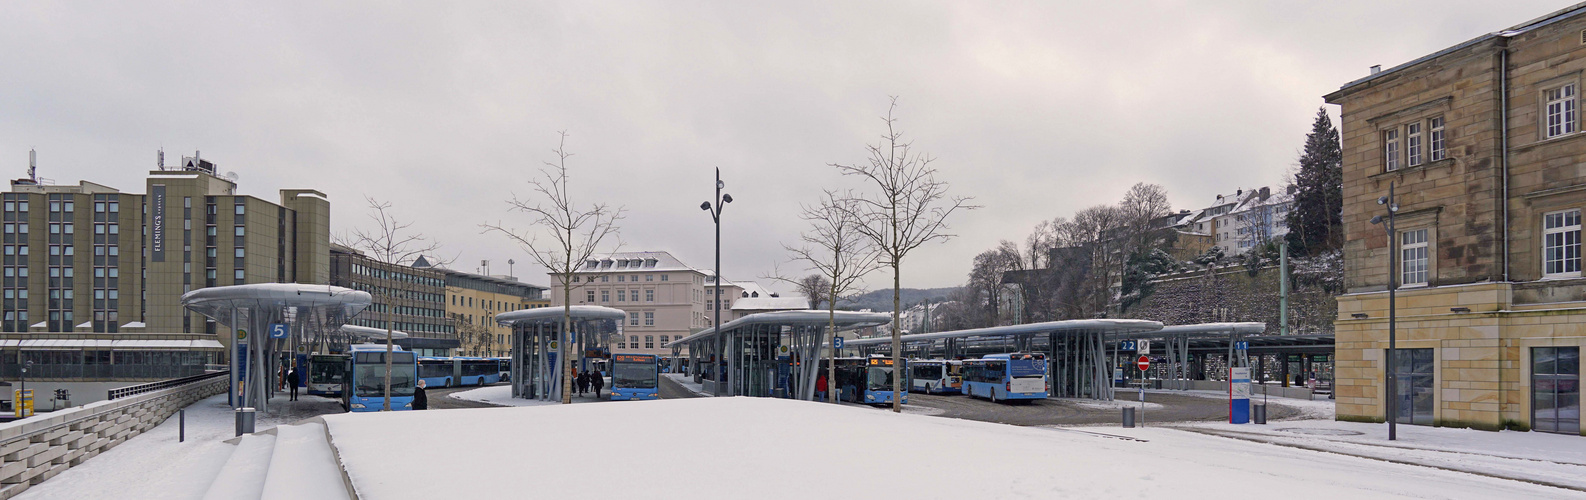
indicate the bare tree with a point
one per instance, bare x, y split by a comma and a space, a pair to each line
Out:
814, 289
836, 249
391, 241
575, 232
908, 208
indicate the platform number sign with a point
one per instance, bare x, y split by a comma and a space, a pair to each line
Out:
1128, 345
837, 342
279, 331
1241, 346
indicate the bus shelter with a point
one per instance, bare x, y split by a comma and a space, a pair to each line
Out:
538, 343
766, 354
272, 318
1077, 350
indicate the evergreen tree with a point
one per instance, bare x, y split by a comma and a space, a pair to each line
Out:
1316, 219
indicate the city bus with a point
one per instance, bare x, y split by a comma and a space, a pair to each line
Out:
634, 377
936, 376
504, 369
363, 388
459, 371
867, 380
325, 374
1006, 377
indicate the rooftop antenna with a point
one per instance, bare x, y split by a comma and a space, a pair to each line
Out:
33, 165
160, 159
510, 262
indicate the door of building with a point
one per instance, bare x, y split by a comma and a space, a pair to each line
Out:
1416, 397
1555, 389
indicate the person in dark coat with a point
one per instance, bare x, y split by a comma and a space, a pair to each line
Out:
291, 380
420, 400
597, 382
583, 383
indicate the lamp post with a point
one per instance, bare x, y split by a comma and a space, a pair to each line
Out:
1393, 312
715, 215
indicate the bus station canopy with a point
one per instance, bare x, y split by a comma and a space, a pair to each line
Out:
845, 320
218, 302
1107, 326
553, 315
364, 332
1214, 329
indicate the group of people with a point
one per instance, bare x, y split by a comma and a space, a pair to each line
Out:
584, 381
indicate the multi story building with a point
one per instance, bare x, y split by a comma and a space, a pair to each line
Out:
91, 258
472, 302
664, 298
411, 299
1482, 144
1238, 222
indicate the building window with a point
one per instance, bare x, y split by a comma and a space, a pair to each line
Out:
622, 295
1560, 110
649, 295
663, 277
649, 318
633, 319
605, 295
649, 341
591, 296
1412, 144
1437, 147
1390, 149
1413, 253
1561, 243
634, 340
241, 231
665, 339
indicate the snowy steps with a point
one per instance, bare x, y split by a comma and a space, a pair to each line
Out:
293, 462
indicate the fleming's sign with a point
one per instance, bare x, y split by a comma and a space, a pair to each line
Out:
157, 223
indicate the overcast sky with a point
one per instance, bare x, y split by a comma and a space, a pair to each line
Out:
1036, 110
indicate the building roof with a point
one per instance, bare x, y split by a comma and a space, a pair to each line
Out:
554, 315
634, 261
767, 303
845, 320
1516, 30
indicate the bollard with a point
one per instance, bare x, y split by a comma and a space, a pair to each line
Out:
181, 425
1128, 417
245, 421
1258, 413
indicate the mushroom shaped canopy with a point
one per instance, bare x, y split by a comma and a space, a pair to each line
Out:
271, 299
553, 315
372, 333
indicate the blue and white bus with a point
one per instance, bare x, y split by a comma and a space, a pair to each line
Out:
459, 371
326, 374
504, 369
634, 377
1007, 377
364, 386
936, 376
868, 380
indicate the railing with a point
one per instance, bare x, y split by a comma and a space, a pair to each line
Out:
163, 384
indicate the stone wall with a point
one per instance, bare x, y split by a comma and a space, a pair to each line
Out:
1231, 294
35, 449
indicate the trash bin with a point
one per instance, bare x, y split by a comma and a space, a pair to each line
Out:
245, 421
1128, 417
1258, 413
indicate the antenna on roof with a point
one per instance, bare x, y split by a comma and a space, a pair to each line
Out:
160, 159
33, 165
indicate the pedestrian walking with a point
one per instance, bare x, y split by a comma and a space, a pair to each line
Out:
598, 382
583, 383
820, 388
421, 401
291, 380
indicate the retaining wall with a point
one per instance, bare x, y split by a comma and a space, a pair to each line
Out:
34, 449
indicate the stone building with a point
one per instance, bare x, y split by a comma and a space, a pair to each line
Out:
665, 299
407, 298
474, 300
1482, 143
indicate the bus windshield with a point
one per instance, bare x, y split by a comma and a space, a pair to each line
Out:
325, 372
1027, 368
928, 371
634, 376
371, 380
880, 378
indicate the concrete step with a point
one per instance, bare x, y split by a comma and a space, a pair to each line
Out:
303, 466
243, 475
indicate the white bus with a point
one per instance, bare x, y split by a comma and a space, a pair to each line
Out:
936, 376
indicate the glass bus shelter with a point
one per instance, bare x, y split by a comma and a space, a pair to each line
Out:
765, 353
538, 343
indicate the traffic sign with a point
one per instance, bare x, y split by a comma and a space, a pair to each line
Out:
837, 342
278, 331
1144, 363
1145, 346
242, 334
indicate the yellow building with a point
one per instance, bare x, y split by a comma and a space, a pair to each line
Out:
474, 300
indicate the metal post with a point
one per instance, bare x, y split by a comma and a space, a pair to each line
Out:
1393, 316
1283, 288
181, 425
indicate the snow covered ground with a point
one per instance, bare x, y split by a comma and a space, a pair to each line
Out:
154, 465
687, 382
501, 395
769, 448
1309, 408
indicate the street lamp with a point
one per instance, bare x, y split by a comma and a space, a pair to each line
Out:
1393, 313
715, 215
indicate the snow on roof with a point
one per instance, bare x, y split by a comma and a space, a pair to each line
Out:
1064, 326
373, 333
554, 314
57, 344
217, 302
633, 262
135, 324
767, 303
846, 320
